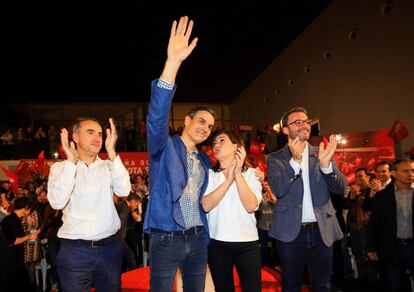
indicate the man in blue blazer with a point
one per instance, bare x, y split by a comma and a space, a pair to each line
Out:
304, 222
178, 173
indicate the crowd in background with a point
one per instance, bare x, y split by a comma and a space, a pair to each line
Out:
26, 143
350, 260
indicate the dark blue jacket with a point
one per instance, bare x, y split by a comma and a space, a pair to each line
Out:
167, 167
287, 214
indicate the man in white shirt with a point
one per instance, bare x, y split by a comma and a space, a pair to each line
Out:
304, 222
83, 186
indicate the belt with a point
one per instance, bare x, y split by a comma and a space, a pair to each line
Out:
186, 232
405, 241
91, 243
309, 225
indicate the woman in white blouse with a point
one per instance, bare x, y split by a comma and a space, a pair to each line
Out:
233, 194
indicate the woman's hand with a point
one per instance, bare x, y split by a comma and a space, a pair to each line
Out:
240, 155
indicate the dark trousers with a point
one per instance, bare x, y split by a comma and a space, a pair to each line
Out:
169, 251
397, 275
358, 248
307, 249
245, 256
269, 257
80, 266
128, 257
53, 249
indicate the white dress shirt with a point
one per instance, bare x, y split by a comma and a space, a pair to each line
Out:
85, 193
308, 215
229, 220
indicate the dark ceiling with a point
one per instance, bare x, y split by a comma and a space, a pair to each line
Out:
62, 51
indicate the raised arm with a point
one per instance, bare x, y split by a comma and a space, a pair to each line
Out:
178, 48
62, 175
246, 195
161, 96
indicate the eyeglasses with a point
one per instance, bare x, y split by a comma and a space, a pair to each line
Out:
299, 123
407, 171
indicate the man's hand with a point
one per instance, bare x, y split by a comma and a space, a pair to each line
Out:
375, 186
296, 148
178, 48
354, 191
110, 141
326, 153
69, 149
372, 256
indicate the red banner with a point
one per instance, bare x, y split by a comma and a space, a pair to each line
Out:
135, 162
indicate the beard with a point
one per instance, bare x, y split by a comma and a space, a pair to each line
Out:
303, 135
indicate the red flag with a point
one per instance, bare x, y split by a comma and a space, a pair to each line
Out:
256, 148
23, 171
398, 131
14, 180
40, 165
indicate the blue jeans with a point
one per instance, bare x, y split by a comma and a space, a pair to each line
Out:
306, 249
80, 266
169, 251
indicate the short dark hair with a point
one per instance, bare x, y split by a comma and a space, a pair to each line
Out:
21, 203
285, 117
235, 138
384, 162
133, 196
199, 108
78, 121
364, 169
398, 161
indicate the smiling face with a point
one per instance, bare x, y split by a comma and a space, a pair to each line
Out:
198, 128
383, 172
292, 130
88, 138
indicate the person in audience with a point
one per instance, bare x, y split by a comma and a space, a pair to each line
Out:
52, 223
390, 237
16, 237
357, 217
128, 257
134, 227
264, 220
232, 196
31, 223
83, 186
302, 177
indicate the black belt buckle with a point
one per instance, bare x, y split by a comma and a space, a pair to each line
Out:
193, 230
309, 225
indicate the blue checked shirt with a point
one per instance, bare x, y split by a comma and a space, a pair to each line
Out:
189, 200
